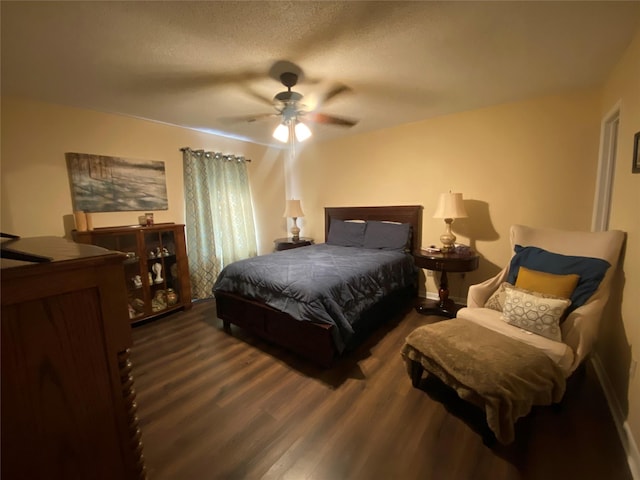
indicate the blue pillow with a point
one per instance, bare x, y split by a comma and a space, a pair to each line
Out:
387, 236
346, 234
591, 270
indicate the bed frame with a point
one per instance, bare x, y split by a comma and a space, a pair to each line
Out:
312, 340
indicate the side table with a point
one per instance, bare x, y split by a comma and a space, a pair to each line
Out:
456, 261
288, 243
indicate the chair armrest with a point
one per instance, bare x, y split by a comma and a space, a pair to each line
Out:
580, 329
480, 292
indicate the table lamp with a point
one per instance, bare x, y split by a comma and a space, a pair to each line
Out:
294, 210
450, 206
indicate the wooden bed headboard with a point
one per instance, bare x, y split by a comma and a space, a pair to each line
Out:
404, 214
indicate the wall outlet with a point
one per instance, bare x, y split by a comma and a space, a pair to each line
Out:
632, 368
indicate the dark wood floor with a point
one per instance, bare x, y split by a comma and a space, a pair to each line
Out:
220, 406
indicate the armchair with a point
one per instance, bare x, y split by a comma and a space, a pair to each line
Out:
501, 364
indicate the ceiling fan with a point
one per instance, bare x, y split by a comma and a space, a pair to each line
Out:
294, 113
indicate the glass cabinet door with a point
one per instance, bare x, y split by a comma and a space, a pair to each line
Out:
162, 270
172, 279
133, 276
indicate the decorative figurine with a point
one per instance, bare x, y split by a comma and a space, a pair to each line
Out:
157, 269
152, 254
172, 297
165, 252
138, 305
159, 301
137, 281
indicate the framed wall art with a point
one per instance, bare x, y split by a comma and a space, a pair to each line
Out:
114, 184
636, 153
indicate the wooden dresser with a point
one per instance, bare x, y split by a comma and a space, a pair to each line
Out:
68, 402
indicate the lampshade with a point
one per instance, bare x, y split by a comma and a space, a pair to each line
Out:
281, 133
302, 132
293, 209
450, 205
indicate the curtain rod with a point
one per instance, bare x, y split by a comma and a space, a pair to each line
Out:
189, 149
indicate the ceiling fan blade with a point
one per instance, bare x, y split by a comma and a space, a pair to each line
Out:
329, 119
249, 118
336, 90
185, 81
314, 101
261, 98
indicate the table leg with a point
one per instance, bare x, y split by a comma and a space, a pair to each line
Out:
443, 291
444, 307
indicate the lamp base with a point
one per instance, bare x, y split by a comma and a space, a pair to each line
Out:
295, 231
447, 248
448, 239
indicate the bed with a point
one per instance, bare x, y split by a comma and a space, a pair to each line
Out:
292, 311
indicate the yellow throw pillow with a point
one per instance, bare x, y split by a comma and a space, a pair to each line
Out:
561, 286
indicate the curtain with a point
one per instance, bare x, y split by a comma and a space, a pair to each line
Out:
219, 216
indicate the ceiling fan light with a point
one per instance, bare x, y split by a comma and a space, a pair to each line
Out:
281, 133
302, 132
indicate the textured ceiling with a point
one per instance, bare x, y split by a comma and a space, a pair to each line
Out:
195, 64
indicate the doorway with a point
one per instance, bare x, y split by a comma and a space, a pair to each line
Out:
606, 169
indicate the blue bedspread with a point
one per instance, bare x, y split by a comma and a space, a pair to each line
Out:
321, 283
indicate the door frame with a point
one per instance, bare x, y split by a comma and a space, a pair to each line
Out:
606, 169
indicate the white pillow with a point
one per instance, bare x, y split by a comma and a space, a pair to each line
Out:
496, 300
535, 314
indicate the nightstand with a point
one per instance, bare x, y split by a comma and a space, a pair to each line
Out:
462, 261
289, 243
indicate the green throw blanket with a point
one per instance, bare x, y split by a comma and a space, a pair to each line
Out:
501, 375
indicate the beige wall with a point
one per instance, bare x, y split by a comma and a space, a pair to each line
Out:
621, 332
530, 162
36, 196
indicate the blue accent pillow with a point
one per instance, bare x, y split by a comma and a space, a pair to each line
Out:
346, 234
591, 270
387, 236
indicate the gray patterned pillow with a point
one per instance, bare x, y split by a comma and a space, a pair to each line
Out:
534, 313
496, 301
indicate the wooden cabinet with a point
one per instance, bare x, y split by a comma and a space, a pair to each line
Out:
68, 401
156, 268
